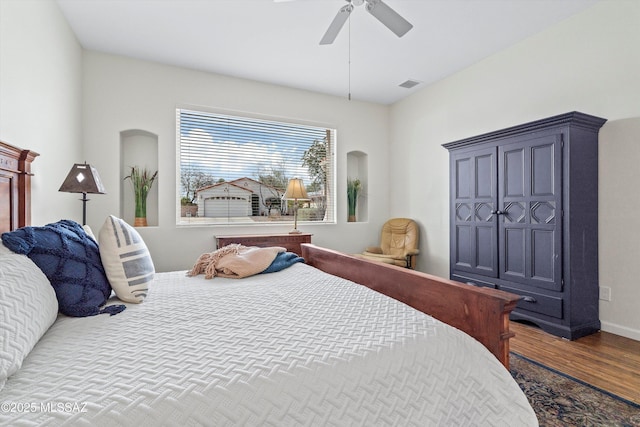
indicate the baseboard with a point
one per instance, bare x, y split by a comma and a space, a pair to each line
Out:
623, 331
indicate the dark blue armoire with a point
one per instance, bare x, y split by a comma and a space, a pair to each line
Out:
524, 218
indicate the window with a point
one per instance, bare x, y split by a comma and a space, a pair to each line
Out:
235, 170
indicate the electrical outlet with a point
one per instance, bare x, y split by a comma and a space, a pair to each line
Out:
605, 293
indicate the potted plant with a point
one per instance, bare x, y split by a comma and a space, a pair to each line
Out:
141, 180
353, 191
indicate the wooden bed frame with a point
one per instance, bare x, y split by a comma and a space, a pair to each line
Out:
15, 186
480, 312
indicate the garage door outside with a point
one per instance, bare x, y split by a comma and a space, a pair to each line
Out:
230, 206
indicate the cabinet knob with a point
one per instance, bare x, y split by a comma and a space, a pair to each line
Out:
529, 299
497, 212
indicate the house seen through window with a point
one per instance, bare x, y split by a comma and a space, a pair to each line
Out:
235, 170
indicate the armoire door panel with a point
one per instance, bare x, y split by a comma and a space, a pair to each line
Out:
542, 163
485, 184
543, 213
484, 212
535, 166
485, 249
463, 180
542, 260
463, 242
512, 170
474, 199
463, 212
513, 253
514, 212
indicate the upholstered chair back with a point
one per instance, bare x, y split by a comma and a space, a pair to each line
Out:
398, 236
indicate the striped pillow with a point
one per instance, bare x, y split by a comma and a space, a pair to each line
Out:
126, 260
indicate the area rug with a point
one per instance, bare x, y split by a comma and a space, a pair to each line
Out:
561, 400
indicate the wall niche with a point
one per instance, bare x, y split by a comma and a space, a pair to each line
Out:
357, 168
138, 148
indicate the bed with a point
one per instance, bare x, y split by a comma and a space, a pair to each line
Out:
307, 345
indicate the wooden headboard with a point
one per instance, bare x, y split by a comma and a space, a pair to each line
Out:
15, 186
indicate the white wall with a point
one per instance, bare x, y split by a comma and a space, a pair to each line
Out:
120, 94
588, 63
40, 99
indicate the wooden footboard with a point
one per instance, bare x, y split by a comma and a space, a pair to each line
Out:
482, 313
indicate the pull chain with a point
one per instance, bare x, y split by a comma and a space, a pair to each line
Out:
349, 62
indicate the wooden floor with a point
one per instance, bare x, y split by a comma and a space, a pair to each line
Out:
604, 360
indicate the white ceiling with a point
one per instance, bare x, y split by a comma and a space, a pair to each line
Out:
278, 42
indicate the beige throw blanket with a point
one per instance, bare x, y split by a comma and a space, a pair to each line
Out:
235, 261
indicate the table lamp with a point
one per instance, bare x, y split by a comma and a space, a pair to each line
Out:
295, 191
83, 178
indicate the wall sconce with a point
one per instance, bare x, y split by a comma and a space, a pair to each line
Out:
83, 178
295, 191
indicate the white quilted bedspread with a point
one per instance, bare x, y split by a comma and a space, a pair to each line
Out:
269, 350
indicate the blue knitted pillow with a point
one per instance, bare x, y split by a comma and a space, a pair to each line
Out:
71, 261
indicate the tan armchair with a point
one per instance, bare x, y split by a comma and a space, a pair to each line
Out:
398, 243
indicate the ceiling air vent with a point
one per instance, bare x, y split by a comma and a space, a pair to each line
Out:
409, 84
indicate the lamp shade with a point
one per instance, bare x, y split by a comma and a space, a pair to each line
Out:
82, 178
296, 190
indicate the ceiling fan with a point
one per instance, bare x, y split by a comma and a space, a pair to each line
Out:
380, 10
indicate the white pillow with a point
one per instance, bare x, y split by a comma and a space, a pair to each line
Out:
89, 232
5, 250
28, 307
126, 260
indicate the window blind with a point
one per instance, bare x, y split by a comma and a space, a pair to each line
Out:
236, 169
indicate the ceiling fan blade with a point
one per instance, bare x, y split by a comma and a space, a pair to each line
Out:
389, 17
337, 24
